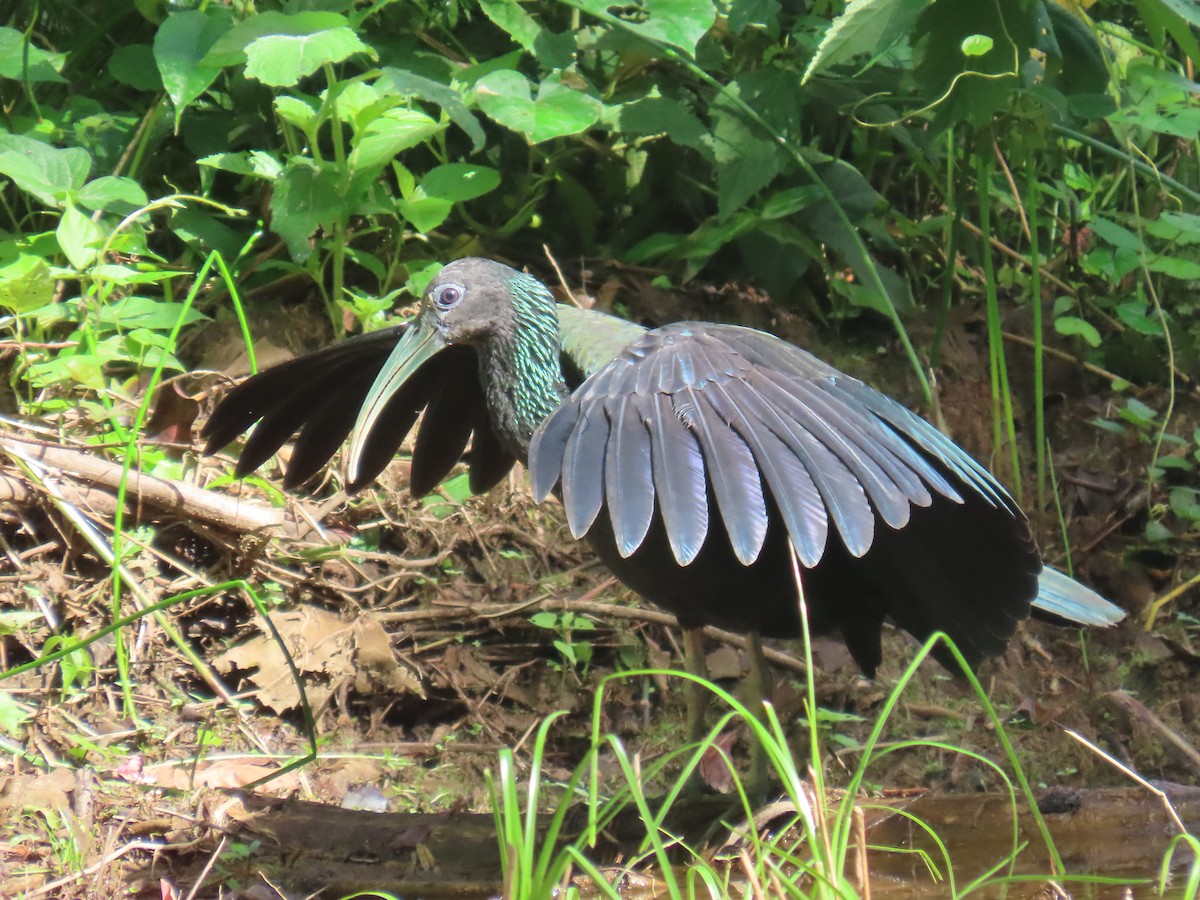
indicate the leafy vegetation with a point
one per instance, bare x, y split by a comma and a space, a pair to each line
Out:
1032, 164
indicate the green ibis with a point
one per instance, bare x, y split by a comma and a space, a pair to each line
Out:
692, 457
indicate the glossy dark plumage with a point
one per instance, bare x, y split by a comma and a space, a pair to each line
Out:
687, 455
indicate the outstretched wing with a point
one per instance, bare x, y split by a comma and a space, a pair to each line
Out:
695, 406
317, 397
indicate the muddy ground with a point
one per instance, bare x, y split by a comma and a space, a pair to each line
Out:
432, 633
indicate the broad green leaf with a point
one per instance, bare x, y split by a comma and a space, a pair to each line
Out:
680, 23
126, 275
1156, 531
1188, 10
1074, 325
553, 51
133, 64
758, 13
662, 115
258, 163
460, 181
788, 202
78, 236
557, 111
1116, 235
977, 45
425, 213
1176, 227
281, 60
109, 192
1176, 267
296, 111
146, 312
746, 163
394, 131
32, 64
205, 231
13, 621
1133, 313
12, 714
865, 28
86, 370
46, 172
230, 49
25, 283
414, 85
305, 197
180, 45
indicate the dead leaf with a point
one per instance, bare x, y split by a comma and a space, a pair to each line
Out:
173, 416
377, 661
318, 642
44, 790
714, 768
183, 776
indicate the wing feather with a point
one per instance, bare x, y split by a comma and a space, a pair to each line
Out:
583, 468
802, 505
628, 474
679, 476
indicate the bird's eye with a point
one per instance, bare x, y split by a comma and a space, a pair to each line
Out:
447, 295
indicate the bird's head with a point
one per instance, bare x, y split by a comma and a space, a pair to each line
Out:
473, 302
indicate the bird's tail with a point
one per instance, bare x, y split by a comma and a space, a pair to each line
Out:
1062, 597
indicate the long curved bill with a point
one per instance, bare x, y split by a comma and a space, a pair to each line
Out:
419, 344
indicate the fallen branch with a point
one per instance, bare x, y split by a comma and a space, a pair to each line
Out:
185, 500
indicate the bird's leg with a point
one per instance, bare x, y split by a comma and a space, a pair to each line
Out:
757, 689
695, 663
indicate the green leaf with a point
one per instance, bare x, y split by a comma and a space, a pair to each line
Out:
414, 85
1185, 9
865, 28
25, 282
78, 236
12, 714
13, 621
112, 192
1115, 235
133, 64
680, 23
1176, 227
46, 172
146, 312
180, 45
296, 111
394, 131
230, 49
425, 213
746, 163
1068, 325
460, 181
1133, 313
553, 51
977, 45
39, 66
305, 197
1156, 531
281, 60
256, 163
1175, 267
662, 115
558, 110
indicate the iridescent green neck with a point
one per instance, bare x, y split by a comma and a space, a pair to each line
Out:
521, 369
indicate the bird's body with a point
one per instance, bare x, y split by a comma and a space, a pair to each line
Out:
690, 456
